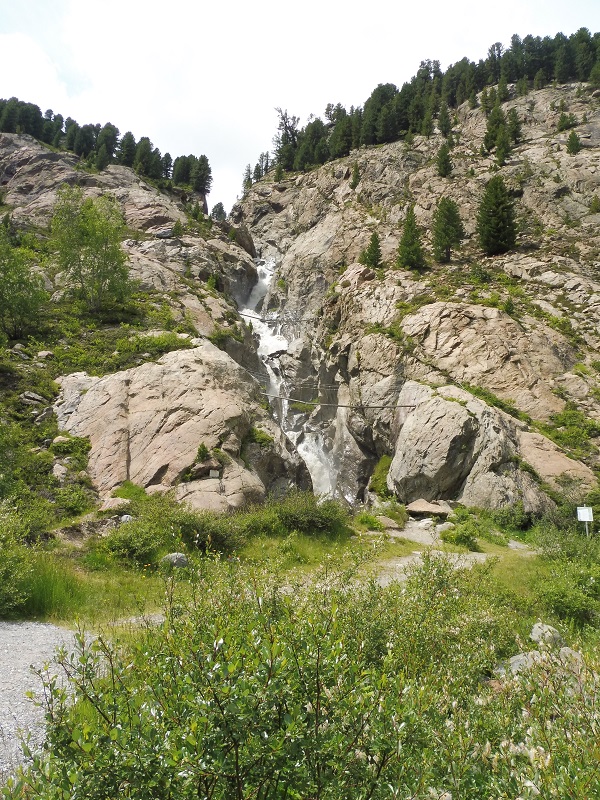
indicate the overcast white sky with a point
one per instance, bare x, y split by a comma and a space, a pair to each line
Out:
205, 77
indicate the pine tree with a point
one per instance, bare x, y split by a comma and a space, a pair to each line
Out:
247, 179
102, 158
447, 229
427, 125
502, 146
496, 120
218, 212
371, 255
503, 94
595, 74
127, 148
444, 121
485, 102
573, 144
496, 225
444, 162
201, 175
167, 165
410, 250
539, 80
522, 87
514, 125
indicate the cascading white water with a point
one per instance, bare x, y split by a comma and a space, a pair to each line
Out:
308, 442
270, 342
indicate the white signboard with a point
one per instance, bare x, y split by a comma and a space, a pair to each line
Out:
585, 514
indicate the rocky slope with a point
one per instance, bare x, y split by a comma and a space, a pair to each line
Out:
521, 330
464, 376
146, 424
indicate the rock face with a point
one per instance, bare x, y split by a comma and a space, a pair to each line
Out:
485, 347
454, 446
373, 362
146, 425
519, 329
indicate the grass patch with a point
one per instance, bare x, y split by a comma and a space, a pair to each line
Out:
497, 402
378, 482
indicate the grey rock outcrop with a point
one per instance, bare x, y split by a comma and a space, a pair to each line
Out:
452, 445
146, 425
516, 326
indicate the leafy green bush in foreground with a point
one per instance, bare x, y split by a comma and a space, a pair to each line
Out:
317, 692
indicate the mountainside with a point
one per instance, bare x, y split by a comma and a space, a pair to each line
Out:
522, 326
475, 380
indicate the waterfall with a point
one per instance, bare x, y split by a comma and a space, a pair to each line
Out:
308, 440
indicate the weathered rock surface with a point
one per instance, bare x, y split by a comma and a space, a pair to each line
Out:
454, 446
146, 424
367, 348
522, 326
485, 347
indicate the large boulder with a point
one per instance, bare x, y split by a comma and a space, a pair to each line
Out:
452, 445
146, 424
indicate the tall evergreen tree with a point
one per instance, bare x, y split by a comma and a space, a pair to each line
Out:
102, 158
108, 136
513, 124
503, 147
201, 175
496, 224
218, 212
371, 255
427, 124
573, 144
443, 161
167, 165
444, 121
496, 120
247, 179
503, 94
410, 250
127, 147
143, 156
447, 229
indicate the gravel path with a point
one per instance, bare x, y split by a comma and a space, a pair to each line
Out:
22, 645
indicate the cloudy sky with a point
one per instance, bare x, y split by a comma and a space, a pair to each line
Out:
206, 77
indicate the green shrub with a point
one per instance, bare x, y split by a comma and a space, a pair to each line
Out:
138, 543
15, 564
572, 593
464, 535
72, 500
572, 429
257, 436
302, 512
333, 693
378, 483
129, 491
369, 521
512, 517
203, 453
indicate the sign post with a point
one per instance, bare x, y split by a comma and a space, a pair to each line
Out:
585, 514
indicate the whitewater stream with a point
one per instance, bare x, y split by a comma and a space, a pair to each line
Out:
308, 441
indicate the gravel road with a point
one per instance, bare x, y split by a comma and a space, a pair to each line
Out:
23, 645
